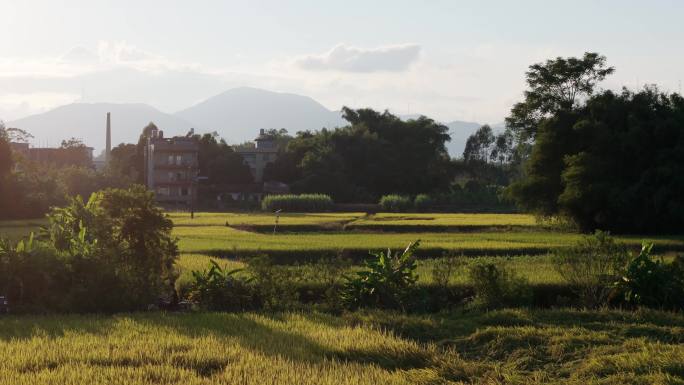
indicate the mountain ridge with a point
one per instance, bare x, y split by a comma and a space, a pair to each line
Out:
236, 114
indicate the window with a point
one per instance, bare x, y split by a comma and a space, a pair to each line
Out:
184, 191
170, 159
163, 191
179, 158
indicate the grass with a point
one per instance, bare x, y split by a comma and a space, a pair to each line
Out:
443, 222
499, 347
514, 346
15, 230
230, 242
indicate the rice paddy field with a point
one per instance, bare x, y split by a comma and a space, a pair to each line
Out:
510, 346
499, 347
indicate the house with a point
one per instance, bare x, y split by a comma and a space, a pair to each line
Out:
171, 169
264, 152
70, 156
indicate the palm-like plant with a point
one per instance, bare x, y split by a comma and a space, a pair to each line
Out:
387, 283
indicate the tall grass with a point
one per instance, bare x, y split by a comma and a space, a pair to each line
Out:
497, 347
297, 203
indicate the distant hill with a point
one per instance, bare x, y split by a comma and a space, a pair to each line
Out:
460, 131
87, 121
236, 114
239, 113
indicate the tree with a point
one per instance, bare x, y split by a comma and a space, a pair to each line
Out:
555, 85
478, 145
6, 162
127, 254
610, 164
220, 163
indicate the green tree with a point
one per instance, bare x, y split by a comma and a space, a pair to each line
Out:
219, 162
6, 162
377, 154
558, 84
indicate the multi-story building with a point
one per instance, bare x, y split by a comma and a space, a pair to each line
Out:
171, 168
264, 152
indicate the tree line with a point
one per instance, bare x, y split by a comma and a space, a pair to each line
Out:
602, 159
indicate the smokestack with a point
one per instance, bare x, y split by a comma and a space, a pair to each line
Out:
108, 149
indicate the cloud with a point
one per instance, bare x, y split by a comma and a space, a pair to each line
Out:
346, 58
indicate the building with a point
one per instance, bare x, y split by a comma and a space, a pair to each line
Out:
171, 169
264, 152
70, 156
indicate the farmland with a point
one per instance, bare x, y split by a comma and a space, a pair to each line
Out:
367, 347
506, 346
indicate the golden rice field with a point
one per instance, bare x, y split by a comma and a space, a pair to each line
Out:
499, 347
515, 346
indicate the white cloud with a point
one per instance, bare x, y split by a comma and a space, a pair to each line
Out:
352, 59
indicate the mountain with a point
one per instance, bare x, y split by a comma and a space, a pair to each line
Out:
239, 113
87, 121
460, 131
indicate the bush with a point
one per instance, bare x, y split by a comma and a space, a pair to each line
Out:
395, 203
444, 268
653, 283
219, 290
275, 287
497, 286
388, 282
297, 203
423, 202
114, 253
592, 266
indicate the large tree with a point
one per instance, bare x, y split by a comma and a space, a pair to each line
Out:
555, 85
376, 154
219, 162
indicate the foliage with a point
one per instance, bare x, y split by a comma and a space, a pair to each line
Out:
297, 203
591, 266
6, 161
497, 286
396, 203
220, 163
554, 86
389, 281
374, 155
423, 202
652, 282
114, 253
608, 162
444, 268
219, 290
275, 287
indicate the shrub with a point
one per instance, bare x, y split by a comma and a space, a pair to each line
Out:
653, 283
388, 282
444, 268
216, 289
395, 203
275, 287
591, 266
496, 286
423, 202
114, 253
297, 203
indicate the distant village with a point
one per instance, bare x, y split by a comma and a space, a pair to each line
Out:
171, 166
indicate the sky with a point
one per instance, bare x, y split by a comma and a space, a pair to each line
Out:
450, 60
